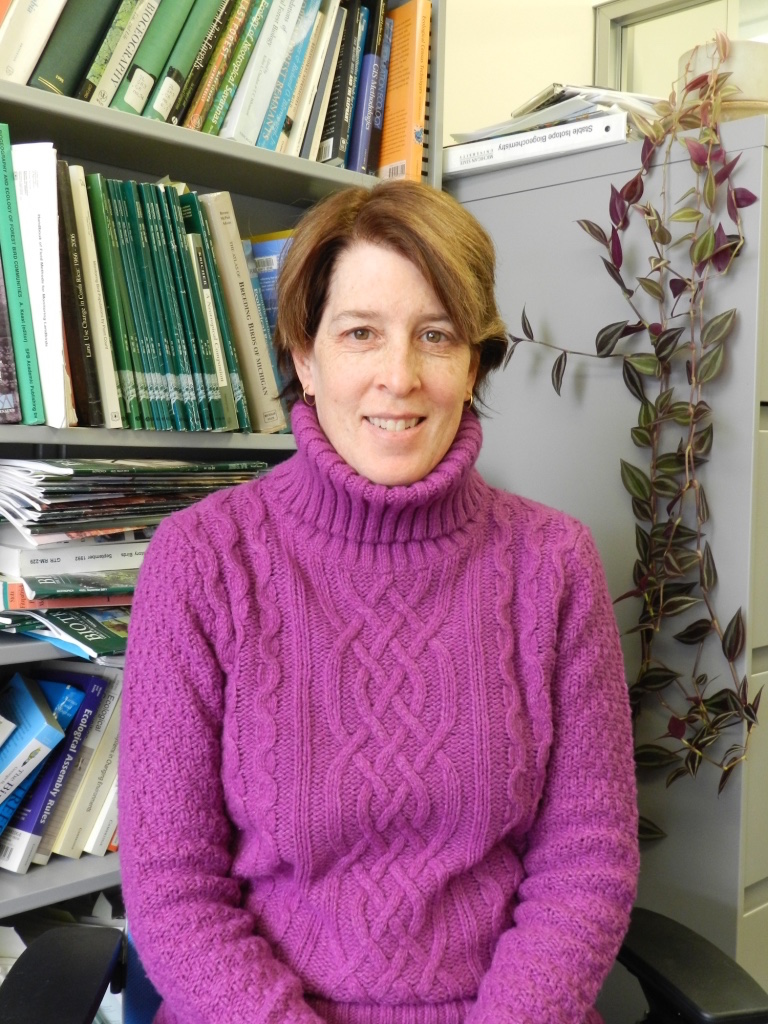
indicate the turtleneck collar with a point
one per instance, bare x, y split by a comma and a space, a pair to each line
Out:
319, 490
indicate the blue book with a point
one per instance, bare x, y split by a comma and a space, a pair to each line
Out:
267, 251
370, 70
381, 95
64, 701
357, 68
36, 734
20, 840
266, 326
274, 119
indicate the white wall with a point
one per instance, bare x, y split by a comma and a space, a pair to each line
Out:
498, 53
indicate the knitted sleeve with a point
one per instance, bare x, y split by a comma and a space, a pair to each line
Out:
581, 858
196, 942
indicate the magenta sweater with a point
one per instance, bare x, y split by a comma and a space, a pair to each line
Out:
375, 762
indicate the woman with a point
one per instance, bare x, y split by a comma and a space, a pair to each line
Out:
376, 764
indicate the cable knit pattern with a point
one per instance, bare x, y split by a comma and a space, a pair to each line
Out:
376, 763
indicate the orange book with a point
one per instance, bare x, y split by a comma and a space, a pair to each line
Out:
402, 138
217, 66
14, 599
4, 5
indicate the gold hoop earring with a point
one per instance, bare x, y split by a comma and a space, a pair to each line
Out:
306, 398
470, 401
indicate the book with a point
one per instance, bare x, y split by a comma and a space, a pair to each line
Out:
310, 144
170, 81
106, 584
25, 31
17, 291
297, 115
201, 61
106, 371
21, 839
374, 148
167, 292
92, 75
92, 791
36, 734
248, 330
539, 144
249, 104
234, 70
104, 825
267, 251
402, 137
78, 339
77, 771
10, 406
214, 71
13, 597
197, 226
362, 126
71, 45
64, 701
149, 59
335, 133
21, 558
96, 633
288, 76
34, 171
267, 327
125, 48
122, 332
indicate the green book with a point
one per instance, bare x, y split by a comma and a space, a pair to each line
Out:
237, 65
182, 300
180, 60
168, 301
150, 57
17, 291
149, 290
214, 371
156, 388
194, 217
70, 47
92, 76
123, 345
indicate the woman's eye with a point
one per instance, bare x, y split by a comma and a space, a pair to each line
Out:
361, 334
434, 336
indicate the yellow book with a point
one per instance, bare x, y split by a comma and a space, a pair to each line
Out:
402, 139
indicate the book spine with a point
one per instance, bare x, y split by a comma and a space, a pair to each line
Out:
20, 841
249, 104
288, 76
17, 291
335, 133
10, 406
150, 362
251, 342
26, 29
109, 389
374, 148
311, 142
70, 47
34, 170
402, 140
172, 315
201, 61
71, 558
124, 51
77, 328
183, 302
362, 126
105, 824
122, 339
215, 379
92, 76
235, 69
297, 117
139, 80
35, 735
523, 147
217, 66
261, 308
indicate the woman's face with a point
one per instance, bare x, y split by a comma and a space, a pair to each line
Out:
389, 374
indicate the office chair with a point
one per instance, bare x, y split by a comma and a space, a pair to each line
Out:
63, 974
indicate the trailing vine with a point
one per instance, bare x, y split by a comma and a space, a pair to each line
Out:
685, 349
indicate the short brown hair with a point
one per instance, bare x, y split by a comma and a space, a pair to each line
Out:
426, 226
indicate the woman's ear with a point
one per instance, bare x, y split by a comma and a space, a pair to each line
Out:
303, 362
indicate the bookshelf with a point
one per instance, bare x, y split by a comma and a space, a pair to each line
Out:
269, 191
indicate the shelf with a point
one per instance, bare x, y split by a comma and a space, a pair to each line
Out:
20, 650
88, 132
60, 879
170, 440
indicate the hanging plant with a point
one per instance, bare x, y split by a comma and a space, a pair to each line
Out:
692, 241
